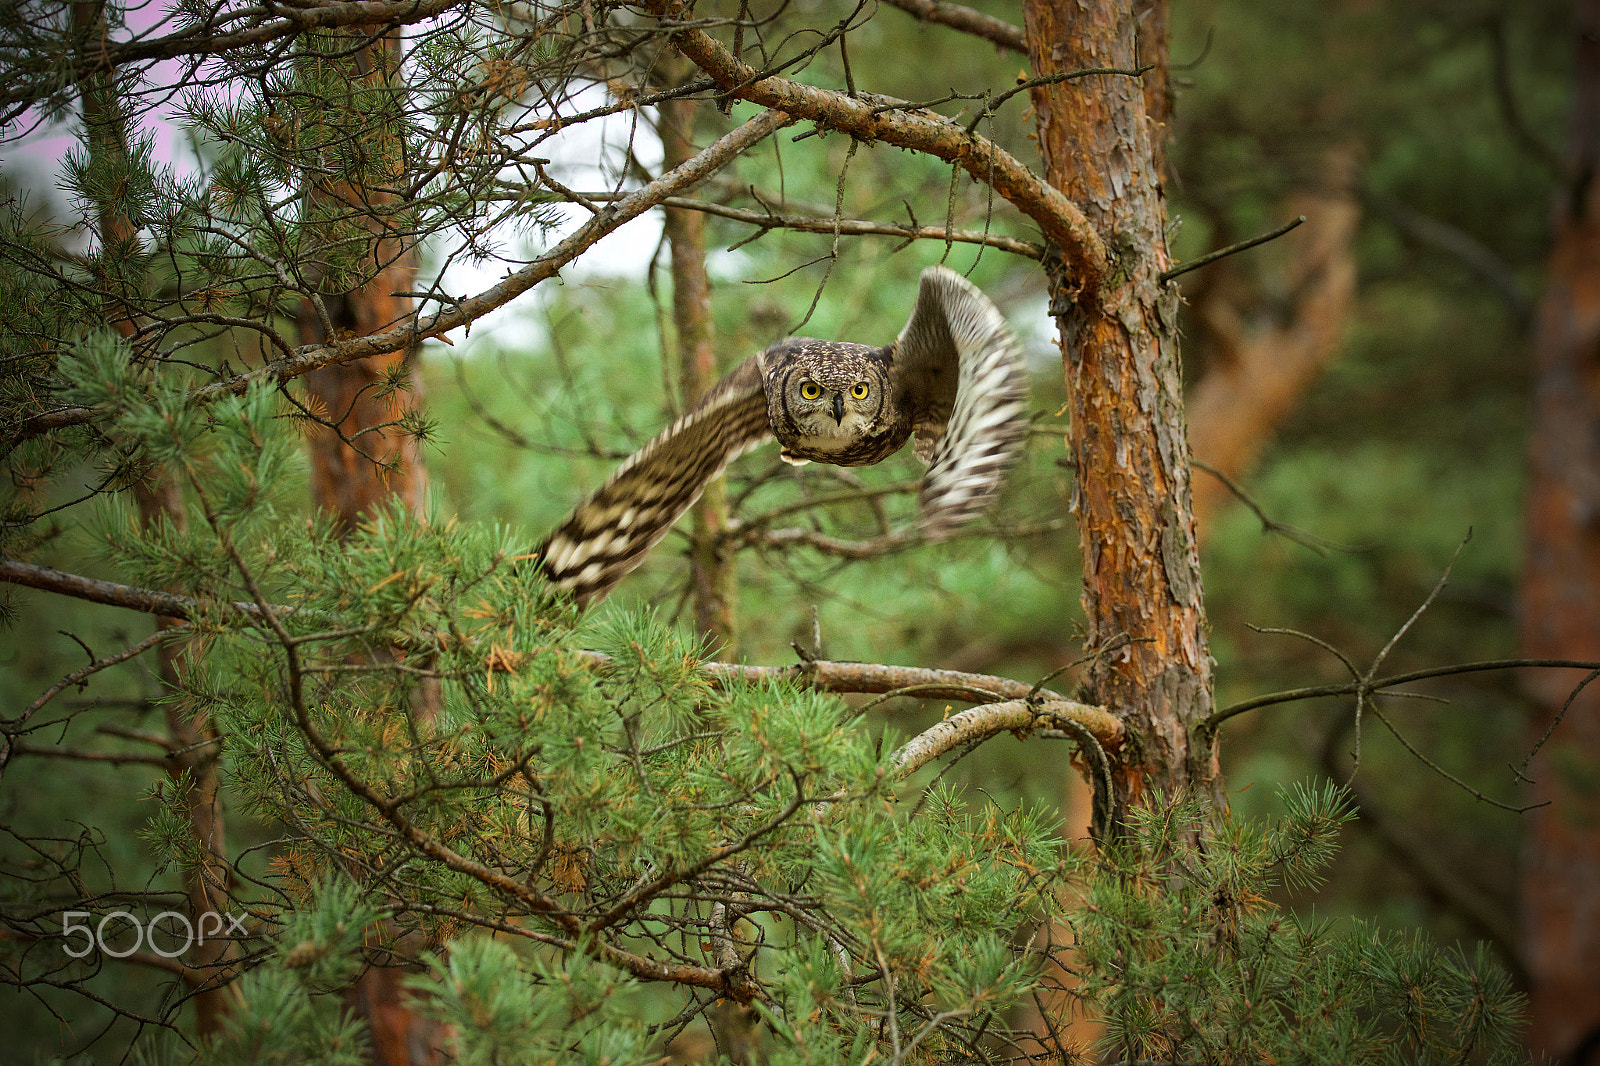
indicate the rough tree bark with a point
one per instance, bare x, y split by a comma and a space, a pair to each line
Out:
1141, 594
362, 459
1560, 890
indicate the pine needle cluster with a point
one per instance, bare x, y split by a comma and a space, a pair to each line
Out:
578, 843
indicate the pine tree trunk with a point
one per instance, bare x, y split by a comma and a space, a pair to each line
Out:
1141, 595
362, 461
159, 499
711, 564
1561, 600
1260, 370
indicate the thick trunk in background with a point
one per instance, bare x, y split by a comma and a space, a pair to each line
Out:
1264, 363
192, 766
363, 459
1561, 602
190, 739
711, 563
360, 464
1141, 570
367, 460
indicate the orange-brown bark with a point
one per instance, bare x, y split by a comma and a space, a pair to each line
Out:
1261, 366
1141, 596
361, 459
1074, 238
364, 459
192, 766
193, 763
1560, 875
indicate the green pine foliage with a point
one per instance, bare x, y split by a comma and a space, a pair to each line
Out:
584, 839
426, 762
1179, 947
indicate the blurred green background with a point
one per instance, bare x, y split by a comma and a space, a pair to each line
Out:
1413, 434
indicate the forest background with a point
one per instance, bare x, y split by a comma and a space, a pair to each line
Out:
1360, 390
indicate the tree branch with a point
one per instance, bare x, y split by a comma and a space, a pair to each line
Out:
864, 116
462, 312
1350, 688
823, 675
887, 544
25, 89
1470, 252
967, 20
147, 601
846, 226
979, 723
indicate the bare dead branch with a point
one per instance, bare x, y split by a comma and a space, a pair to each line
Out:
967, 20
887, 544
115, 758
1320, 545
77, 677
990, 719
1349, 688
1232, 249
1460, 245
110, 593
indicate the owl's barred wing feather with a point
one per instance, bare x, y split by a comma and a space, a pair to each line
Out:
953, 379
610, 532
961, 372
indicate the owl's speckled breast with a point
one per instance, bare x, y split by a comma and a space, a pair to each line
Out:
849, 451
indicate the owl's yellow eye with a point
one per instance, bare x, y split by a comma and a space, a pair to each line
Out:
859, 390
810, 390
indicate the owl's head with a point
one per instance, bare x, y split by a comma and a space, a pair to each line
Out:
825, 391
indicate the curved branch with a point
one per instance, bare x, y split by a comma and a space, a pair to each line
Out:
865, 116
979, 723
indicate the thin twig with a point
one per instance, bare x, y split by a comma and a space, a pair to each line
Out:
1222, 253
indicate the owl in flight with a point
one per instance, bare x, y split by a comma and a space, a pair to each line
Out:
952, 381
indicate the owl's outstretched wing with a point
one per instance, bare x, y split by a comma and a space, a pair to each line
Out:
959, 370
610, 532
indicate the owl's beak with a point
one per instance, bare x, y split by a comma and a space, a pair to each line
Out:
838, 408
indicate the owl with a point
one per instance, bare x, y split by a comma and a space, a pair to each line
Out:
952, 383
